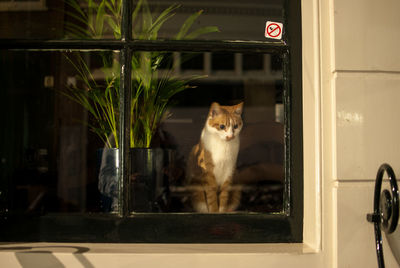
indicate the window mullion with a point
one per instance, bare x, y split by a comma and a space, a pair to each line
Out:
125, 107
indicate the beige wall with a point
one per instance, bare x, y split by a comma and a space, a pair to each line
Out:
365, 82
351, 83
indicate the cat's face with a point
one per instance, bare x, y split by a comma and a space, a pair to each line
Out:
225, 121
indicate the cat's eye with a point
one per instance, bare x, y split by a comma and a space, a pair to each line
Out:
235, 126
222, 126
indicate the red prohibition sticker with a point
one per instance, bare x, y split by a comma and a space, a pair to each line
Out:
273, 30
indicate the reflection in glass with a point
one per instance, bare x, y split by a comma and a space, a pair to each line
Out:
93, 19
260, 164
253, 62
235, 20
192, 61
49, 147
223, 61
53, 148
161, 19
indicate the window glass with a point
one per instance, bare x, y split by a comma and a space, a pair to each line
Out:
235, 20
50, 150
22, 5
68, 19
162, 19
65, 120
260, 162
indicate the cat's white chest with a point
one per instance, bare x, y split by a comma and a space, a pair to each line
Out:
224, 155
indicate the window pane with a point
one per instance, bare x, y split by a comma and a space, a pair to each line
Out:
232, 20
258, 173
50, 143
253, 62
192, 61
61, 123
223, 61
71, 19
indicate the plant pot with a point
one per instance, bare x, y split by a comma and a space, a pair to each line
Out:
149, 182
107, 170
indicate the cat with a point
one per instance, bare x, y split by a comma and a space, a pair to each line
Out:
212, 162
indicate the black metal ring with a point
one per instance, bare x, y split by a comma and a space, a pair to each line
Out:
386, 210
390, 220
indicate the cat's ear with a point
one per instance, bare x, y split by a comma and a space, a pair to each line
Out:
238, 108
215, 109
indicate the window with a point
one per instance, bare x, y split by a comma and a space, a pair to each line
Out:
72, 93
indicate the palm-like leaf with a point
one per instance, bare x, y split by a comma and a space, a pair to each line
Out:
151, 94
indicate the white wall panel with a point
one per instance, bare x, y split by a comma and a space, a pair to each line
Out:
355, 236
367, 124
366, 35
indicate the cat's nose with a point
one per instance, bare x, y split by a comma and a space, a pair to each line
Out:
228, 138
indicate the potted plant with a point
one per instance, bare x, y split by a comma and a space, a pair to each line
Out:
151, 93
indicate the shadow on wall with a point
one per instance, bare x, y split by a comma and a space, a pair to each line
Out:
42, 256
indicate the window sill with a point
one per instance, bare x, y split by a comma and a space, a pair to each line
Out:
111, 248
152, 255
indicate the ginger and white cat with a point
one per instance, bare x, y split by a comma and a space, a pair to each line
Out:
212, 162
